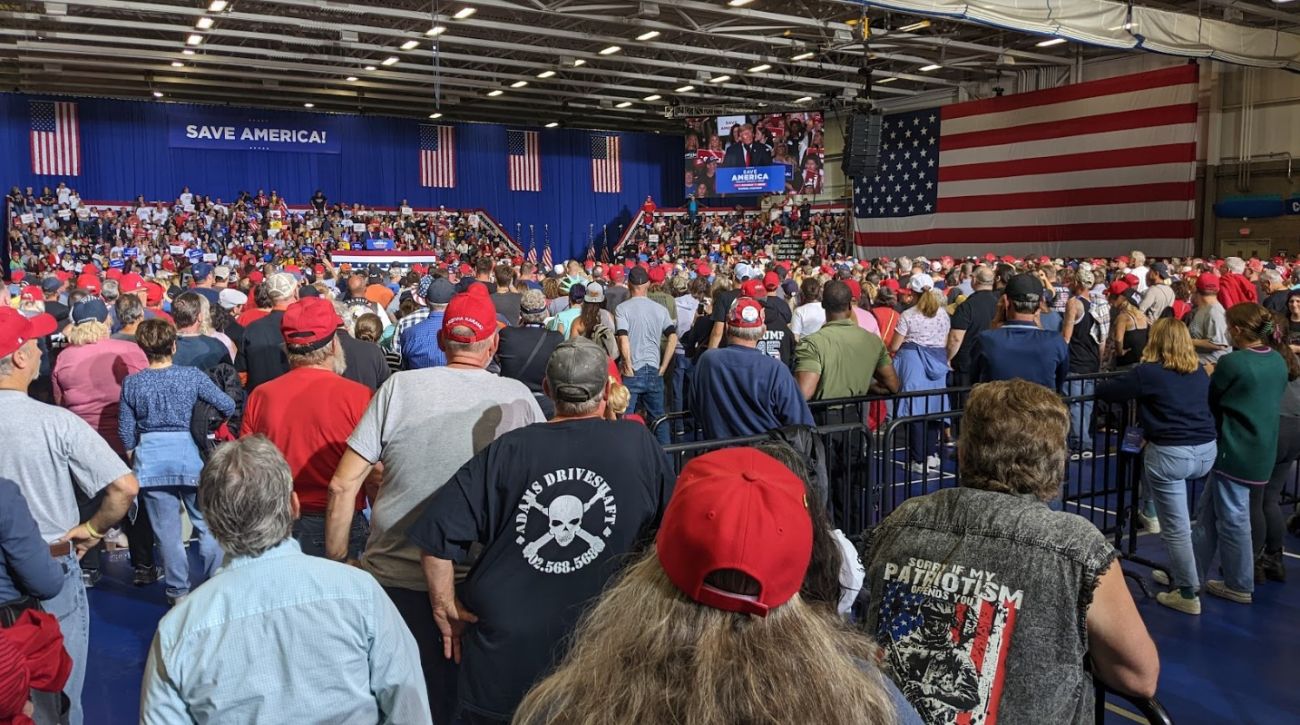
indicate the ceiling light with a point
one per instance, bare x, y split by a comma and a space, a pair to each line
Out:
1130, 26
805, 99
686, 89
436, 30
157, 94
187, 51
371, 67
553, 124
720, 79
435, 116
739, 3
204, 23
1050, 42
648, 35
410, 44
804, 56
578, 61
519, 84
494, 94
389, 60
217, 6
624, 104
177, 64
464, 13
194, 39
608, 51
352, 79
546, 74
883, 81
928, 68
309, 105
918, 25
652, 97
760, 68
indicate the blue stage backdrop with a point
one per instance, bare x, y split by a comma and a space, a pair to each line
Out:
128, 148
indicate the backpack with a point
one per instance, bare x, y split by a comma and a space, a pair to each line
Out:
207, 426
804, 439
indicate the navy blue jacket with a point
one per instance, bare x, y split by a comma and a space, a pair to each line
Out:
742, 391
1173, 408
26, 567
1021, 350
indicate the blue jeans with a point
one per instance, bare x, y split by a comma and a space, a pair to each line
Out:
1223, 526
1080, 414
73, 612
681, 367
646, 387
1166, 472
309, 530
164, 507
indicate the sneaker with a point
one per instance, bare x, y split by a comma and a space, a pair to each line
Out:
1219, 589
934, 462
1273, 566
146, 575
1161, 577
1174, 600
90, 577
1150, 523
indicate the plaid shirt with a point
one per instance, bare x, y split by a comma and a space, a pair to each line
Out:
404, 324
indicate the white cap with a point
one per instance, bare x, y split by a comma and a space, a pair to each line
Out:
920, 282
222, 272
231, 298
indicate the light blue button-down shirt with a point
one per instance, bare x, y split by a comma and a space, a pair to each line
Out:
284, 638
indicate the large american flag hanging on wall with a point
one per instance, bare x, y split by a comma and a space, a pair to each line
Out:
55, 139
1094, 168
606, 164
437, 156
524, 154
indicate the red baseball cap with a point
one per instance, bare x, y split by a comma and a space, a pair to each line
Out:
616, 274
746, 312
465, 269
1131, 279
113, 273
737, 509
657, 274
753, 288
1118, 287
771, 281
855, 289
309, 323
130, 282
891, 283
256, 276
90, 282
153, 293
16, 329
472, 309
1208, 282
17, 275
32, 293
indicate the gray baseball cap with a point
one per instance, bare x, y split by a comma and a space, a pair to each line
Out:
577, 371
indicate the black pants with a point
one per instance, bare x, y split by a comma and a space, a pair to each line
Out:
1267, 527
440, 673
139, 534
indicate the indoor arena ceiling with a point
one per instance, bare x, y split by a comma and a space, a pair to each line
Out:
588, 63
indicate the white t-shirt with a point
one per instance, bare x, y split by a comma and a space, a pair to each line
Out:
808, 319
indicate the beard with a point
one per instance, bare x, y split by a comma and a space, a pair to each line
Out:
338, 363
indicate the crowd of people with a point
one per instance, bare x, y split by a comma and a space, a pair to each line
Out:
431, 494
793, 140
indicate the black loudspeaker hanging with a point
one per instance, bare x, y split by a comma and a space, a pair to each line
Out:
862, 145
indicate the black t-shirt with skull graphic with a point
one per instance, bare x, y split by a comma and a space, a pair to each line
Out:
559, 508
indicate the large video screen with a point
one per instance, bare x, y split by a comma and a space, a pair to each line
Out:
755, 154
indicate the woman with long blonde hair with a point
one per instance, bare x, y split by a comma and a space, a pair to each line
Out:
684, 638
1173, 394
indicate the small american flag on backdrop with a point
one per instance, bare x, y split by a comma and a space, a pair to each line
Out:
547, 262
55, 139
523, 149
532, 255
606, 164
1094, 168
437, 156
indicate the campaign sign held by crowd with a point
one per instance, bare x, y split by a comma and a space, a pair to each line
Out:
241, 131
751, 179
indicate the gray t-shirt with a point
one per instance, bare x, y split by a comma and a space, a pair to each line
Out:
47, 450
645, 322
1210, 323
424, 425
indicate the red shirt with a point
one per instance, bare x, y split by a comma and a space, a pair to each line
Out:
308, 414
251, 315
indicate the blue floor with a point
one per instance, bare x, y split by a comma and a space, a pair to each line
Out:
1234, 663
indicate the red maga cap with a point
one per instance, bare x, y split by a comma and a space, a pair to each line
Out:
16, 329
309, 322
737, 509
471, 309
753, 288
745, 312
130, 282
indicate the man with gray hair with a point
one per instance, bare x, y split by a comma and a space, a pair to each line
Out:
262, 357
130, 312
739, 390
524, 350
1234, 287
422, 425
1276, 291
338, 648
582, 495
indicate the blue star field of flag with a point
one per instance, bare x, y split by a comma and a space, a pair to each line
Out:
907, 182
428, 138
901, 613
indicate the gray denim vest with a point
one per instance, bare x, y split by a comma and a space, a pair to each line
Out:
980, 601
